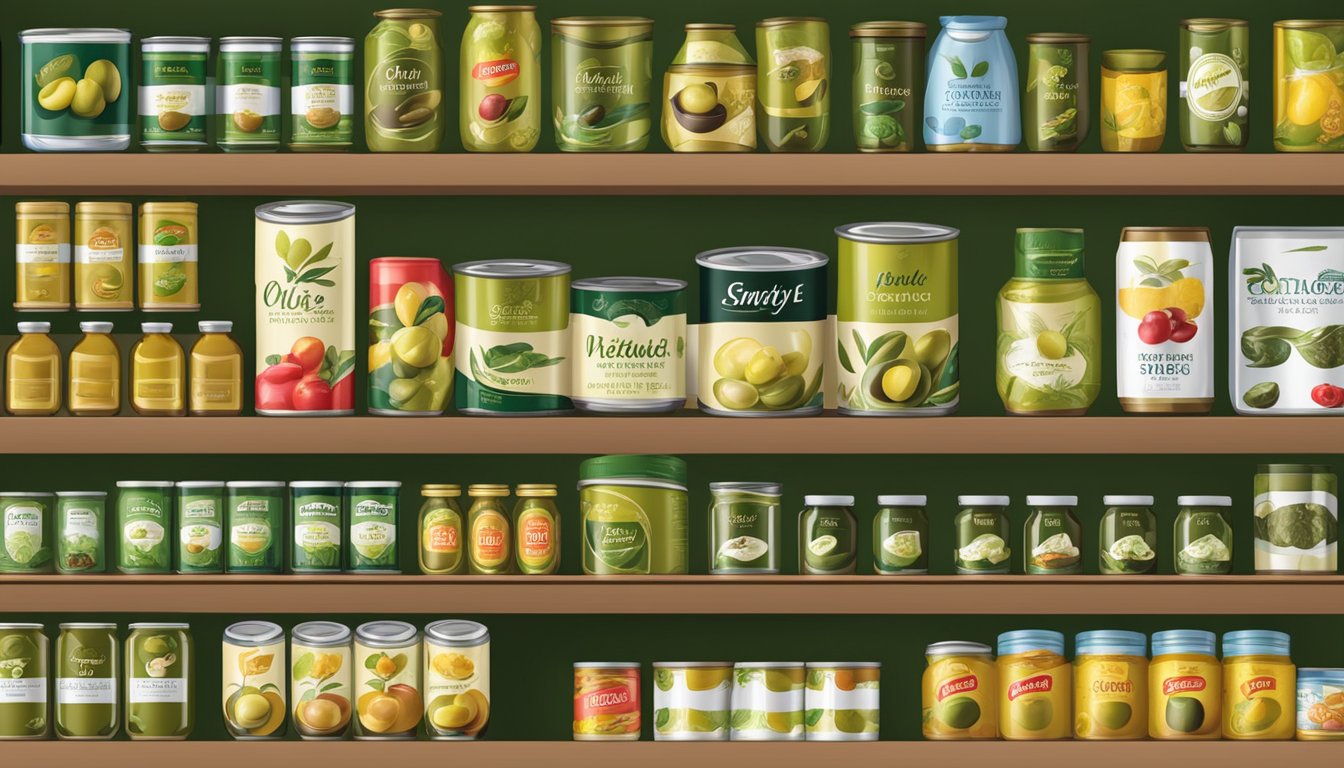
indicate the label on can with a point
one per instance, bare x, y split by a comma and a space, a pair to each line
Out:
888, 76
248, 98
768, 703
457, 689
321, 677
606, 703
317, 530
26, 528
322, 99
388, 680
1185, 697
842, 703
144, 516
630, 347
1056, 104
538, 538
173, 105
1292, 531
743, 535
601, 87
410, 336
373, 532
81, 547
201, 528
633, 529
794, 83
260, 671
254, 535
710, 108
57, 113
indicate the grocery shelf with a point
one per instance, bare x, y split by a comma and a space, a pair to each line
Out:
671, 174
686, 433
730, 595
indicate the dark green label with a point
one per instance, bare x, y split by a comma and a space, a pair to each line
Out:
743, 537
982, 541
173, 99
615, 547
827, 540
728, 296
317, 530
900, 540
201, 532
63, 111
1052, 542
1055, 110
373, 531
249, 97
888, 77
256, 538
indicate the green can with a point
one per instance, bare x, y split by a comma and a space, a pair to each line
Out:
1203, 535
81, 519
793, 77
87, 679
160, 673
27, 520
200, 526
1052, 538
76, 89
744, 527
321, 94
403, 82
888, 84
248, 94
634, 515
1128, 539
982, 535
145, 526
255, 514
24, 671
1056, 111
512, 337
602, 67
828, 536
900, 535
173, 105
1215, 88
374, 511
316, 514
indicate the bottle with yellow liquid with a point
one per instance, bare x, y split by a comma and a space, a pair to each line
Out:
216, 371
95, 372
42, 257
489, 541
158, 373
33, 364
1133, 100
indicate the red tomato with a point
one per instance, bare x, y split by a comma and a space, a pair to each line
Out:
312, 394
307, 352
276, 394
1328, 396
281, 372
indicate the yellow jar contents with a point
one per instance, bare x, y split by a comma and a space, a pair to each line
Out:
1259, 686
34, 372
1133, 100
489, 543
158, 373
103, 256
1035, 686
960, 692
1110, 685
168, 242
216, 371
1185, 687
441, 538
42, 256
536, 525
95, 372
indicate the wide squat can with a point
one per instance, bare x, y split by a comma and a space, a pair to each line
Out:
629, 344
1215, 88
606, 701
793, 83
457, 680
1056, 108
762, 332
76, 89
888, 78
305, 297
602, 68
410, 337
897, 319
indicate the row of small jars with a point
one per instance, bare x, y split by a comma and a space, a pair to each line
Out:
1113, 692
158, 372
488, 540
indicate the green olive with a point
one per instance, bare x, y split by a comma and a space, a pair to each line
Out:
416, 346
732, 358
931, 349
735, 395
89, 100
900, 382
783, 393
1052, 345
795, 362
1262, 395
765, 367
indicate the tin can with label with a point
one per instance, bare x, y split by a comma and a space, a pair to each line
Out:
42, 257
315, 506
322, 679
602, 67
174, 107
27, 527
374, 508
81, 536
629, 344
709, 93
26, 663
104, 257
410, 337
1057, 108
76, 85
692, 700
200, 525
87, 673
1133, 100
634, 515
321, 94
768, 701
457, 680
888, 84
388, 670
169, 237
160, 673
1215, 88
254, 677
247, 96
793, 83
145, 526
744, 527
606, 701
1296, 514
254, 518
842, 700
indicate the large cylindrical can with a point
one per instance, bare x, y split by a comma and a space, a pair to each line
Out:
305, 284
602, 70
1056, 107
1215, 93
629, 344
403, 82
410, 337
793, 83
86, 667
888, 84
500, 101
76, 89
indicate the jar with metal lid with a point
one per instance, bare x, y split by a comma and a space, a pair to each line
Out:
42, 257
1052, 538
1215, 58
961, 692
1203, 535
1056, 108
104, 257
634, 519
982, 535
901, 535
1133, 100
1185, 686
160, 673
1296, 519
602, 67
1128, 538
1259, 686
254, 682
1110, 685
606, 701
174, 107
169, 241
536, 524
457, 680
744, 520
1035, 686
888, 79
88, 669
1320, 704
26, 663
321, 94
388, 669
827, 535
27, 532
316, 509
322, 679
440, 540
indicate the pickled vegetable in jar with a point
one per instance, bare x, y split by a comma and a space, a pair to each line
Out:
1259, 686
1128, 540
33, 378
441, 540
1203, 535
1035, 686
982, 535
1110, 685
95, 372
961, 692
216, 371
489, 540
536, 523
158, 373
1185, 686
901, 535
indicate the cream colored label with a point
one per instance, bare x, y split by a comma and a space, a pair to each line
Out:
1168, 355
624, 359
167, 254
321, 684
387, 688
44, 253
457, 688
291, 303
761, 368
253, 684
186, 99
339, 98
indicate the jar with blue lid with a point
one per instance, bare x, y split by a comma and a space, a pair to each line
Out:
1110, 685
1185, 686
1035, 686
1320, 704
1259, 686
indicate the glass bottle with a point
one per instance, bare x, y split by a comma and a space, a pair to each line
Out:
33, 366
1203, 536
441, 540
827, 535
95, 372
489, 541
536, 525
216, 371
158, 372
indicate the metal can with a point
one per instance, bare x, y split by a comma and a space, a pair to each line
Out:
1296, 511
489, 536
315, 508
144, 525
410, 337
897, 319
403, 82
1320, 707
960, 692
1056, 110
27, 527
441, 537
500, 106
75, 89
692, 700
1215, 88
629, 344
457, 680
901, 535
169, 236
888, 76
160, 672
42, 257
174, 108
322, 679
1308, 100
536, 524
305, 297
26, 666
606, 701
744, 527
634, 515
1133, 100
247, 97
513, 320
253, 685
81, 538
842, 700
709, 93
104, 257
200, 526
87, 674
321, 94
388, 671
763, 331
254, 518
793, 83
1164, 334
602, 67
768, 701
374, 509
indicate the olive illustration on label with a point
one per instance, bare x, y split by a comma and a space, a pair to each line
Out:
61, 88
756, 376
697, 108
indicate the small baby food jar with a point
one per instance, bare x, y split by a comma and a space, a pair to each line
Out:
982, 535
768, 701
1320, 704
387, 664
1185, 686
322, 678
489, 535
536, 526
1110, 685
1052, 537
606, 701
842, 700
1035, 686
744, 521
441, 538
1203, 535
691, 700
1259, 686
828, 536
1128, 537
960, 692
254, 673
901, 535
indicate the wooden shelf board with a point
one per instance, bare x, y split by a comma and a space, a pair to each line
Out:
730, 595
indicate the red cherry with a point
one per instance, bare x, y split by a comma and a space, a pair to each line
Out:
1183, 332
492, 107
1155, 327
1178, 315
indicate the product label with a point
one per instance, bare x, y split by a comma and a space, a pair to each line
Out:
42, 253
377, 670
156, 690
629, 346
536, 531
1187, 697
972, 93
734, 93
1037, 684
23, 690
104, 246
86, 690
794, 71
259, 667
517, 347
324, 671
886, 99
1293, 531
490, 540
322, 98
24, 544
248, 97
1114, 694
958, 685
1164, 322
605, 102
455, 675
443, 538
173, 102
1054, 90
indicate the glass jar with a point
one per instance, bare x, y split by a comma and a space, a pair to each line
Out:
489, 541
42, 257
1128, 538
1035, 686
322, 679
888, 82
160, 673
440, 540
500, 97
403, 82
901, 535
27, 656
1203, 535
972, 101
1057, 106
95, 373
1133, 100
827, 535
87, 668
1296, 519
1259, 686
1185, 686
982, 535
744, 525
1306, 76
961, 692
33, 372
601, 67
1320, 704
158, 373
1110, 685
793, 83
709, 93
1215, 89
1052, 538
536, 523
216, 371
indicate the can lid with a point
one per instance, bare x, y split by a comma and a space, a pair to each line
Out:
603, 664
769, 665
305, 211
896, 500
957, 648
983, 501
488, 489
156, 327
333, 484
321, 633
1052, 501
1057, 38
1111, 641
457, 632
973, 23
692, 664
255, 484
1049, 254
1255, 642
620, 26
144, 483
1133, 59
407, 13
1184, 641
501, 8
19, 625
253, 633
195, 484
889, 29
85, 35
1023, 640
628, 284
441, 490
896, 232
761, 259
1292, 469
88, 625
215, 326
1164, 235
1204, 501
81, 494
27, 494
1309, 23
44, 207
323, 43
103, 209
844, 665
767, 489
373, 484
173, 207
159, 625
386, 633
35, 327
96, 327
535, 490
639, 466
1212, 24
1127, 501
512, 268
828, 501
780, 21
175, 40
